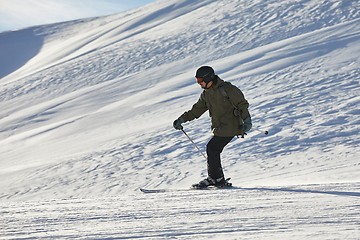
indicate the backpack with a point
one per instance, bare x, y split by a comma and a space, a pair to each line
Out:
237, 112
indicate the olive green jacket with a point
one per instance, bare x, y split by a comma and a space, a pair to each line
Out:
223, 121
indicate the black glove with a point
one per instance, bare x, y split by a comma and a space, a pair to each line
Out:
177, 123
247, 124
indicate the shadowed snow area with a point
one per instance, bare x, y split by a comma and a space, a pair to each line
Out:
86, 120
17, 48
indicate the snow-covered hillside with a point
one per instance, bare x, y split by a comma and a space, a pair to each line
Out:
87, 108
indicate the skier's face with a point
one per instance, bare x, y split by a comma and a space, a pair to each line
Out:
203, 84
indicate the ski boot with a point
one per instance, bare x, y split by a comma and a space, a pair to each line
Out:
223, 183
209, 182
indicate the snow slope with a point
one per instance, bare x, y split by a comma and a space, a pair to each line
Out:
301, 213
87, 108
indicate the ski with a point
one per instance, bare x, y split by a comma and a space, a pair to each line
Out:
153, 190
144, 190
164, 190
195, 186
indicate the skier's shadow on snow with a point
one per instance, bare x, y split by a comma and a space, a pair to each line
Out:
337, 193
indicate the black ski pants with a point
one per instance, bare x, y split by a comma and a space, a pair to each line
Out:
213, 149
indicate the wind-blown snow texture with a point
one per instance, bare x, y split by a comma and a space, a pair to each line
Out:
86, 120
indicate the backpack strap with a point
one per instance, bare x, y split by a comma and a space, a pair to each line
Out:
225, 95
223, 92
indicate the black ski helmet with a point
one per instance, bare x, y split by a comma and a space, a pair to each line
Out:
205, 72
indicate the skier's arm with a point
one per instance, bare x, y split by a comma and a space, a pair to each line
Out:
240, 101
196, 111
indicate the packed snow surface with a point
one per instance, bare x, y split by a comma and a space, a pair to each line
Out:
86, 121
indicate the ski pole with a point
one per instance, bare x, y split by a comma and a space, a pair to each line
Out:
261, 131
193, 143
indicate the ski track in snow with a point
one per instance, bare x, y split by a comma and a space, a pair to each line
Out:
86, 120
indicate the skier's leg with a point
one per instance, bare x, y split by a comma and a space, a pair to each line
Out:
213, 149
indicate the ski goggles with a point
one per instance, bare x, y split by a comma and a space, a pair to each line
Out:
199, 80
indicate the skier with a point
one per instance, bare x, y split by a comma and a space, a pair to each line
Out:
230, 117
